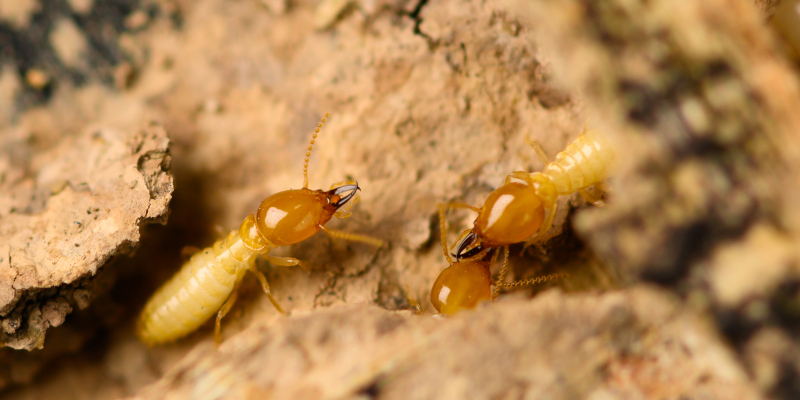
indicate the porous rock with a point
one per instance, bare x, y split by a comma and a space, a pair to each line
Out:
66, 212
636, 344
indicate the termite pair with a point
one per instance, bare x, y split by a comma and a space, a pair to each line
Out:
524, 205
207, 283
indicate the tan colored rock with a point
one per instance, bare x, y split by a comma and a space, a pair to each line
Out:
68, 210
636, 344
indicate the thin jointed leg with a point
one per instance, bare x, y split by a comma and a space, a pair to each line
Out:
353, 237
283, 261
539, 151
594, 199
455, 204
265, 285
413, 302
222, 312
548, 220
546, 224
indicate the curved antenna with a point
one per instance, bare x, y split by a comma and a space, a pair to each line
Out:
310, 147
443, 232
502, 275
534, 281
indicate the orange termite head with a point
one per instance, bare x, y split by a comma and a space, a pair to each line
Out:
292, 216
462, 285
511, 214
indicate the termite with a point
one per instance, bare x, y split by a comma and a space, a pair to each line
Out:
516, 211
465, 283
207, 283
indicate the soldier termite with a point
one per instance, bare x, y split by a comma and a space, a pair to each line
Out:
513, 213
465, 283
207, 283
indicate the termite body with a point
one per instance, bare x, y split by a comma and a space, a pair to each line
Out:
465, 283
207, 283
524, 205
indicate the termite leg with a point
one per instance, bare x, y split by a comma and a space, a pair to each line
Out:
501, 275
413, 302
221, 314
265, 285
443, 229
538, 150
443, 208
415, 306
188, 251
353, 237
548, 220
601, 188
550, 213
594, 199
455, 204
283, 261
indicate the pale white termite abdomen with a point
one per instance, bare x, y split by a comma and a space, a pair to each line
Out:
587, 161
196, 292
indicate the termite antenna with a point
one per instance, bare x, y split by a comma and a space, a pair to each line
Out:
310, 147
443, 232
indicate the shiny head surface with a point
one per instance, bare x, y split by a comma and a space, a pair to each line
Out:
292, 216
462, 285
511, 214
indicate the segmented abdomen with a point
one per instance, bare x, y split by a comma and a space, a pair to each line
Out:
586, 161
196, 292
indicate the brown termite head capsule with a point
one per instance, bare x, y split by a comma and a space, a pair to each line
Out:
511, 214
292, 216
462, 285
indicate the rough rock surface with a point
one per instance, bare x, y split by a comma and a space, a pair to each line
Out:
66, 211
633, 345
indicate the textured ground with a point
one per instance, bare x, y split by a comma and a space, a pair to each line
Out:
430, 102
